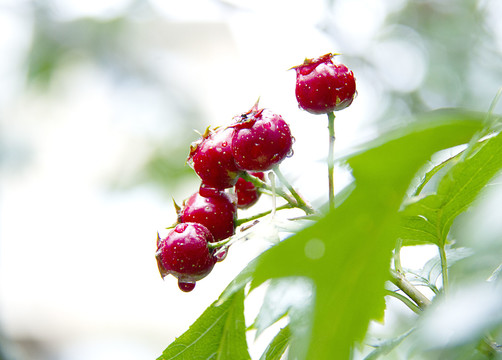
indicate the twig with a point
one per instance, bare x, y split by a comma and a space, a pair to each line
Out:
400, 281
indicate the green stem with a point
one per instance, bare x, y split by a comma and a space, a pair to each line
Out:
400, 281
331, 161
405, 300
397, 256
444, 267
218, 244
300, 201
263, 185
260, 215
271, 177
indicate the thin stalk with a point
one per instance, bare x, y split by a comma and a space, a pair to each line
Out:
229, 240
331, 159
400, 281
301, 202
405, 300
218, 244
397, 256
263, 185
271, 176
444, 267
260, 215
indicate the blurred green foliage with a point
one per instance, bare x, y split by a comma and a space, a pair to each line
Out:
57, 43
112, 46
463, 61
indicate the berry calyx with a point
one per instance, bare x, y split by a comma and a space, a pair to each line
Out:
261, 139
184, 253
322, 86
216, 212
246, 192
211, 158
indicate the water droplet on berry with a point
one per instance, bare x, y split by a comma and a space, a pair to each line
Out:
186, 286
180, 228
221, 254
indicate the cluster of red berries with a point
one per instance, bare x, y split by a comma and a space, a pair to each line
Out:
255, 142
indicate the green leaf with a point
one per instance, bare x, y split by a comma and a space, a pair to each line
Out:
239, 282
284, 296
347, 253
430, 174
428, 220
277, 347
219, 333
291, 296
419, 222
387, 346
432, 268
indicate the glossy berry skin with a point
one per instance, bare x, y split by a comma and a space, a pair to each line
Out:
261, 140
216, 212
184, 253
323, 87
246, 192
211, 158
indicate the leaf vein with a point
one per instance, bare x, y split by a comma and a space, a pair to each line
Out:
441, 227
201, 335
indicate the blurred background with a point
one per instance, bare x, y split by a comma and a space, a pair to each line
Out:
99, 101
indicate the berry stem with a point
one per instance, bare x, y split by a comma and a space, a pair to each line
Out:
331, 161
271, 176
260, 215
263, 185
301, 202
218, 244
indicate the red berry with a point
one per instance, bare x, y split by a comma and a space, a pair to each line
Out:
212, 159
261, 140
322, 86
184, 254
216, 212
247, 194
